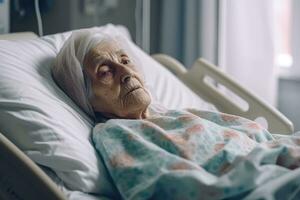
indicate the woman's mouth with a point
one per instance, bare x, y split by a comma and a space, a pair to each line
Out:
133, 89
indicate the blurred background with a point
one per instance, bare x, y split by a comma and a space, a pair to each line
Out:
255, 41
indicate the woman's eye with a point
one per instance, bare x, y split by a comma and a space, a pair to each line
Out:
106, 74
125, 61
104, 71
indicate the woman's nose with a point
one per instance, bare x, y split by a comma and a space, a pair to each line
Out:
126, 78
125, 73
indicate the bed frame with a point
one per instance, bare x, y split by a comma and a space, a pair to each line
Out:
21, 178
196, 79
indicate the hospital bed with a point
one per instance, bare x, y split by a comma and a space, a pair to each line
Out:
21, 178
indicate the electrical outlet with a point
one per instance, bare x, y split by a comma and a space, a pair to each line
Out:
105, 6
90, 7
110, 4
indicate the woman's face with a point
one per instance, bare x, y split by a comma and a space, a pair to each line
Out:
117, 85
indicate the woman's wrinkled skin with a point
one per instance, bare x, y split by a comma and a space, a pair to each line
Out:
118, 87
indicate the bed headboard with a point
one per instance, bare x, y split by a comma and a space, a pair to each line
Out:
18, 36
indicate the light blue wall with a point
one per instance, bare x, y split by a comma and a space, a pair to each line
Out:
289, 100
67, 15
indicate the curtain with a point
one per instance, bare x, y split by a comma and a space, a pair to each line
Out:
246, 45
184, 29
295, 70
233, 34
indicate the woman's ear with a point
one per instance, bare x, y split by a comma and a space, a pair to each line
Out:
145, 114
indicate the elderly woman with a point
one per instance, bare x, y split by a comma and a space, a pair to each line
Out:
102, 77
166, 154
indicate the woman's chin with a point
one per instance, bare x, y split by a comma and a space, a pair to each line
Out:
136, 106
137, 99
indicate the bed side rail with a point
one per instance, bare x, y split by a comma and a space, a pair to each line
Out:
21, 178
256, 108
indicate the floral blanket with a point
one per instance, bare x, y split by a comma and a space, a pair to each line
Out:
198, 155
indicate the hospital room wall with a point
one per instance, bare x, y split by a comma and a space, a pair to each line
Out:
288, 100
70, 14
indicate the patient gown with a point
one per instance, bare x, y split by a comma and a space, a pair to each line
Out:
193, 154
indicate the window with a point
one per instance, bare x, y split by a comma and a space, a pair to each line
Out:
283, 24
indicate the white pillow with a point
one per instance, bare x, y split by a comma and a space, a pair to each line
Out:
44, 122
